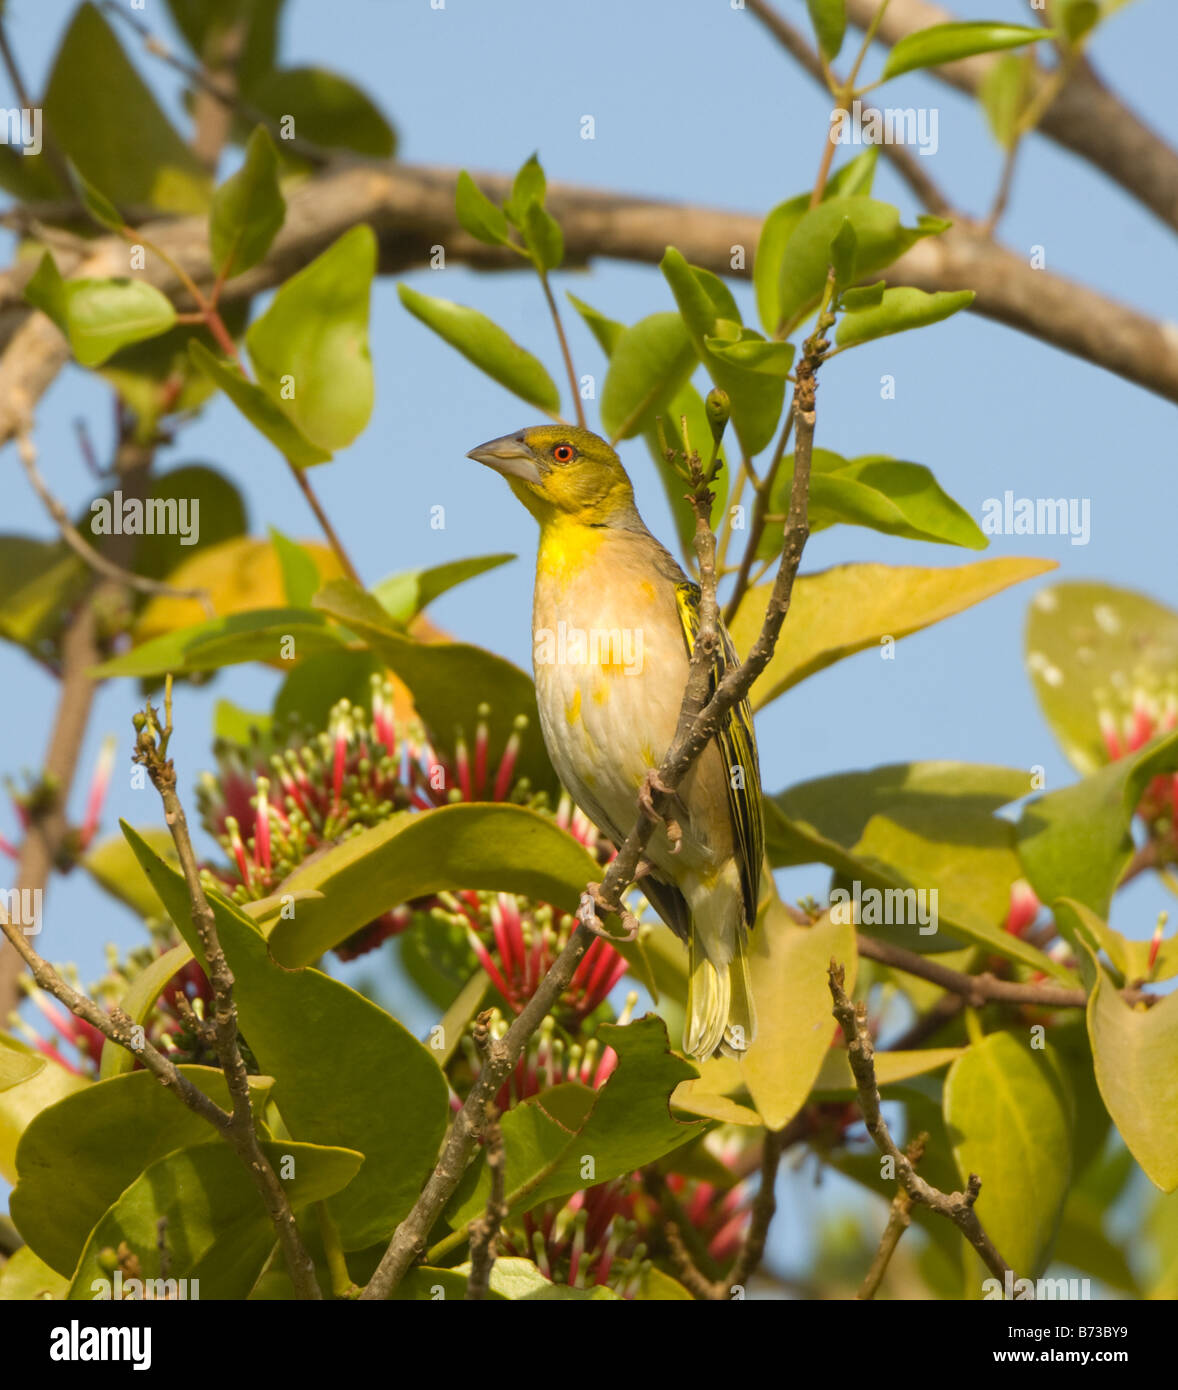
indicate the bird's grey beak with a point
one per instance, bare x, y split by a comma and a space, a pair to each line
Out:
509, 456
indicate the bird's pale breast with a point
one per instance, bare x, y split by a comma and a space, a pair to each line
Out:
611, 665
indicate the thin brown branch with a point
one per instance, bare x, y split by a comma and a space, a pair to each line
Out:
898, 1222
151, 752
484, 1230
48, 829
410, 1238
957, 1207
566, 354
979, 990
907, 165
81, 547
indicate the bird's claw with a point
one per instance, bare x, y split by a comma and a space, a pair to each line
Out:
591, 900
652, 783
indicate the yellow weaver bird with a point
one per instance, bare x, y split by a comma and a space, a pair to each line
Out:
614, 623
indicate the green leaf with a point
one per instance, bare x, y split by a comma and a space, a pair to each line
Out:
650, 362
899, 310
1091, 650
837, 809
880, 240
17, 1062
259, 409
853, 180
835, 1079
1133, 1050
39, 584
215, 507
319, 681
256, 635
946, 43
300, 574
105, 119
310, 348
454, 686
519, 1280
113, 867
606, 331
530, 186
1076, 842
248, 209
1079, 18
788, 970
829, 18
756, 399
404, 595
78, 1155
1009, 1114
885, 494
157, 378
22, 1101
485, 344
839, 611
24, 1276
844, 251
482, 218
218, 1231
331, 1053
96, 203
687, 402
325, 109
623, 1126
415, 853
755, 354
916, 825
1003, 92
138, 1002
99, 316
543, 237
865, 297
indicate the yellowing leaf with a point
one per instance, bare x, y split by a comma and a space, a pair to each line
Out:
239, 574
840, 611
788, 966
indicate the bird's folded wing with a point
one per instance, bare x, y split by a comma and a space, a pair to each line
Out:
738, 747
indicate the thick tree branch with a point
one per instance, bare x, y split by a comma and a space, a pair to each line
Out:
411, 210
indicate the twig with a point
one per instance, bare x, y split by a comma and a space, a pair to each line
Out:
757, 521
957, 1207
46, 834
81, 547
578, 404
977, 990
752, 1249
151, 753
484, 1231
898, 1223
410, 1238
908, 166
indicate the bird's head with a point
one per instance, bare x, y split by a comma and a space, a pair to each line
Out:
558, 471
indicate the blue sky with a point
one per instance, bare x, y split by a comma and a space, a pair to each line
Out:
691, 101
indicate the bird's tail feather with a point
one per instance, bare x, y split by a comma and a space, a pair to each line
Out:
721, 1016
708, 995
741, 1028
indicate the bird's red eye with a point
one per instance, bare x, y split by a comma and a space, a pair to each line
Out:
563, 453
